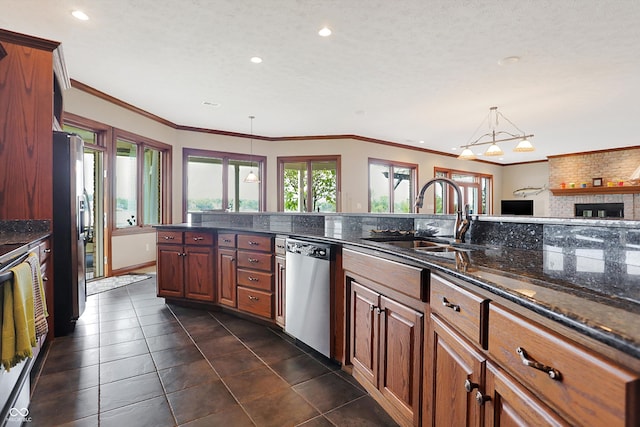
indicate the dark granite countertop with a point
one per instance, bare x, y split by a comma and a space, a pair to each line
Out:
15, 235
590, 286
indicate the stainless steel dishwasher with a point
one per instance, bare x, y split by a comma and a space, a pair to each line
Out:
308, 291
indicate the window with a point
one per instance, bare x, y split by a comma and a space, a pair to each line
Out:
391, 186
309, 184
215, 181
140, 181
476, 191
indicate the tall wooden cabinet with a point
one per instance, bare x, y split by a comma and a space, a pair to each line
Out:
27, 92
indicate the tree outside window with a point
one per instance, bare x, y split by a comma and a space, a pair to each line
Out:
296, 195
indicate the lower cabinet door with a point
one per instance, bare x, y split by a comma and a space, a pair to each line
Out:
364, 332
227, 277
401, 356
510, 404
170, 266
199, 274
455, 378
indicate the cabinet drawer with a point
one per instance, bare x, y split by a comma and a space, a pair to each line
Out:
254, 242
44, 250
255, 260
585, 386
462, 309
281, 246
198, 238
255, 279
227, 240
256, 302
170, 237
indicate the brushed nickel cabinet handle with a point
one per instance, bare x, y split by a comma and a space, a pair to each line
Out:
198, 238
447, 304
226, 240
252, 298
554, 374
45, 279
253, 279
469, 386
252, 243
47, 251
169, 237
253, 260
481, 398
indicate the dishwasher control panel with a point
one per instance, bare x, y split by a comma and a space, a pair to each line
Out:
310, 249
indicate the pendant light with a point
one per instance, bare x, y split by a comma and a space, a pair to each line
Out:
504, 136
252, 178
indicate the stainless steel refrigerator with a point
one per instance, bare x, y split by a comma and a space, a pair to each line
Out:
69, 231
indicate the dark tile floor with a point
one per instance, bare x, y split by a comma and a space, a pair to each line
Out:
133, 360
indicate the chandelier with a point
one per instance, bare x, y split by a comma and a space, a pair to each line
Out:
496, 136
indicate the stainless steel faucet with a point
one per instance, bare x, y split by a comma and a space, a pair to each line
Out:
462, 222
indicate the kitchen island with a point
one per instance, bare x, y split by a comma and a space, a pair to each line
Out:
574, 280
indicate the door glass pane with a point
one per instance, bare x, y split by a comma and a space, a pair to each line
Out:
324, 185
248, 193
152, 186
126, 184
295, 187
88, 136
379, 187
402, 190
204, 184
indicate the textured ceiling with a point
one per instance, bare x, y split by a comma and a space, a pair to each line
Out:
403, 71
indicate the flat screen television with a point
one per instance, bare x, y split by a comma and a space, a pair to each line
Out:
516, 207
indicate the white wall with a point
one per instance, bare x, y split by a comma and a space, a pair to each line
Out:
532, 175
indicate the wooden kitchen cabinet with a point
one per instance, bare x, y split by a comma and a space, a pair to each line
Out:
386, 330
227, 269
387, 349
255, 275
280, 280
186, 265
574, 381
507, 403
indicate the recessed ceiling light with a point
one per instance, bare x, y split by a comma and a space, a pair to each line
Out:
324, 32
509, 60
78, 14
421, 141
454, 148
211, 104
256, 59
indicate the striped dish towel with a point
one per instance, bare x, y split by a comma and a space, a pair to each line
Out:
39, 300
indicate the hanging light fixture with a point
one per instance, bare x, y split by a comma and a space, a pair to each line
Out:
494, 149
251, 178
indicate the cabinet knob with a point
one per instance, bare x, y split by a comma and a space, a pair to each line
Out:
45, 278
469, 386
554, 374
447, 304
47, 251
481, 398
